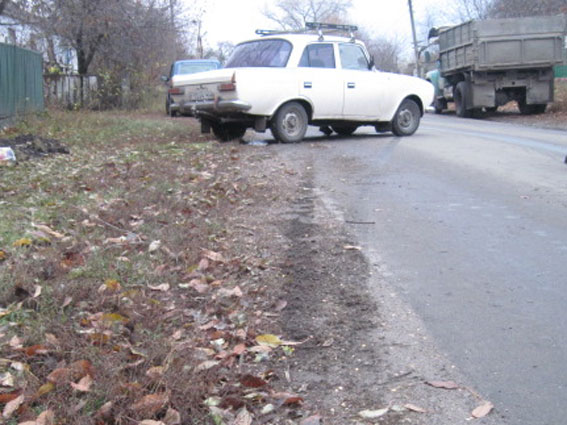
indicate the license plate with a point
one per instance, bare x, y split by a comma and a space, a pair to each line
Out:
201, 95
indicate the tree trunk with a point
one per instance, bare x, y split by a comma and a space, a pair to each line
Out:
3, 4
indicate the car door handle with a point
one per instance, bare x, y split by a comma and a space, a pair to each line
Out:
351, 85
307, 84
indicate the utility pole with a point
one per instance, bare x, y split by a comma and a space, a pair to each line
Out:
415, 47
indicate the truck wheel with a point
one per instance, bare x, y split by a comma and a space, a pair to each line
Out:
460, 97
228, 132
407, 118
344, 129
290, 123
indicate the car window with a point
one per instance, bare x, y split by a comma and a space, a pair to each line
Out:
192, 67
353, 57
260, 53
319, 55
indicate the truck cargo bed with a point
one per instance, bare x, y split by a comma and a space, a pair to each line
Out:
500, 44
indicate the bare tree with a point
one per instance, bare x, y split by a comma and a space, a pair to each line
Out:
520, 8
472, 9
385, 51
3, 4
293, 14
126, 42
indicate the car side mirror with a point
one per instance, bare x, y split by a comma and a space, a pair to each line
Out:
164, 78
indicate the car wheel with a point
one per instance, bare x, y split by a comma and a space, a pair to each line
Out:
167, 102
406, 120
460, 97
290, 123
439, 105
344, 129
526, 109
228, 132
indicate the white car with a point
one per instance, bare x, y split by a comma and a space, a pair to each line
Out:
287, 81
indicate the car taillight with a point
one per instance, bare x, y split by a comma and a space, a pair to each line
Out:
228, 86
176, 90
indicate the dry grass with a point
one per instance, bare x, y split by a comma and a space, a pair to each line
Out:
560, 103
110, 260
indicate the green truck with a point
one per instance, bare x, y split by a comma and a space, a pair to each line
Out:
486, 64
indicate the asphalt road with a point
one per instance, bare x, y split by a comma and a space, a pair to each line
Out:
467, 220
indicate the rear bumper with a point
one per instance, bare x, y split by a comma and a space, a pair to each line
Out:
212, 106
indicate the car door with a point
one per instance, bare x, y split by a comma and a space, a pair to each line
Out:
320, 81
364, 89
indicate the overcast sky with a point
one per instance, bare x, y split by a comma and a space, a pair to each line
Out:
236, 20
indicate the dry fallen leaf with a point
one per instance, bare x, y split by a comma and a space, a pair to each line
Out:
311, 420
206, 365
373, 414
164, 287
44, 389
242, 418
415, 408
484, 409
239, 349
37, 291
22, 242
213, 256
252, 381
154, 246
447, 385
84, 385
16, 343
46, 417
81, 368
352, 248
60, 376
151, 422
155, 372
12, 406
150, 404
269, 340
7, 397
6, 379
49, 231
280, 305
172, 417
34, 350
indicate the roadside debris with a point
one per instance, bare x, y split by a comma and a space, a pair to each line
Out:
7, 155
26, 146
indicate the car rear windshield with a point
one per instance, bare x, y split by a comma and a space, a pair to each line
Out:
260, 53
193, 67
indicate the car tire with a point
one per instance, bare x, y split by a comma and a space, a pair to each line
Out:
228, 132
290, 123
406, 120
439, 105
167, 102
344, 129
461, 97
526, 109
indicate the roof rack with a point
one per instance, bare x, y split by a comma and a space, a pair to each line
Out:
318, 27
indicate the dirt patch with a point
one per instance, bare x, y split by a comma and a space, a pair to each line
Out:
26, 146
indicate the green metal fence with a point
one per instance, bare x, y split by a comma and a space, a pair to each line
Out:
561, 71
21, 81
